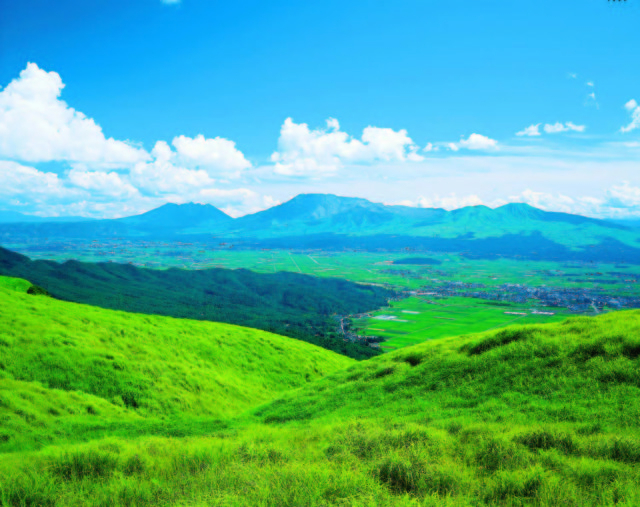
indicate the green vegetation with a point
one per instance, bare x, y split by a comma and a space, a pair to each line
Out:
65, 367
416, 319
527, 415
284, 303
367, 267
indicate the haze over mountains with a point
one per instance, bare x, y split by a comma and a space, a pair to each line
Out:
329, 221
15, 217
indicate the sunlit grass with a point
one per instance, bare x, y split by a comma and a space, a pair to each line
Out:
534, 415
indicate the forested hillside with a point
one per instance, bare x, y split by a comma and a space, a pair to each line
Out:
294, 305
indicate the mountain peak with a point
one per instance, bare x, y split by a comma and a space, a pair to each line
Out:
179, 215
517, 205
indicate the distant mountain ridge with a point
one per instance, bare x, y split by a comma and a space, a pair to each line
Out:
177, 216
333, 222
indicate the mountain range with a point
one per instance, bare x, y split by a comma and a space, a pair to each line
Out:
330, 222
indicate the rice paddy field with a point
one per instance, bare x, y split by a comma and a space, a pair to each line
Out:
418, 319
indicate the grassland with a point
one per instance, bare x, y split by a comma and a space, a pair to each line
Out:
66, 367
416, 319
527, 415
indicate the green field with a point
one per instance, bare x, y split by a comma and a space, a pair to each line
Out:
105, 408
422, 318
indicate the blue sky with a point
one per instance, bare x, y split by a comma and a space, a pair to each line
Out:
129, 104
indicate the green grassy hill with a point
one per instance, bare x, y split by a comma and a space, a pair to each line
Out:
64, 364
535, 415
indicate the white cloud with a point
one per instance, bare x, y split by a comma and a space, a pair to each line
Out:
237, 202
171, 2
306, 152
546, 201
105, 183
429, 147
551, 128
478, 142
634, 109
449, 202
216, 156
624, 196
531, 130
584, 205
574, 127
555, 128
164, 178
590, 83
36, 126
563, 127
161, 176
622, 200
17, 179
388, 145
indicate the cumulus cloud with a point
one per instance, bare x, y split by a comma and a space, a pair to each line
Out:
161, 176
634, 109
530, 131
557, 127
165, 177
17, 179
105, 183
105, 174
306, 152
216, 156
478, 142
237, 202
36, 126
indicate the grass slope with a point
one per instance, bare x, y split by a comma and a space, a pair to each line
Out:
531, 415
60, 359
